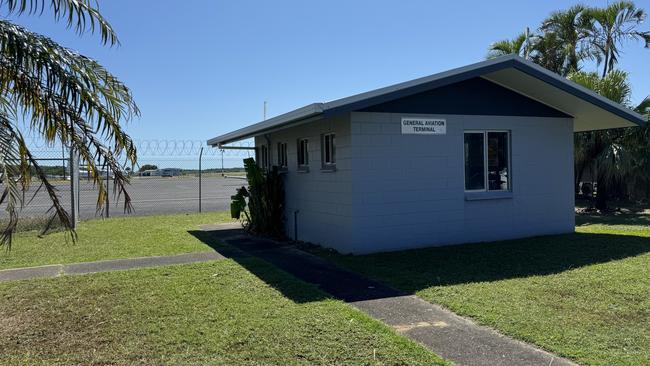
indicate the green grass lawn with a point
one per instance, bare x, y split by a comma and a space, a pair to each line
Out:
585, 296
113, 238
214, 313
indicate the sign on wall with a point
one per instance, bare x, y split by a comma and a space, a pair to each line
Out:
423, 126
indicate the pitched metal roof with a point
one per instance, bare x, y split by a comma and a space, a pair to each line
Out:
589, 110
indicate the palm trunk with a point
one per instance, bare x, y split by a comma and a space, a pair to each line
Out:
607, 56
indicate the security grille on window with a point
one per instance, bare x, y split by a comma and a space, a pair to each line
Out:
303, 154
282, 154
328, 150
487, 165
264, 157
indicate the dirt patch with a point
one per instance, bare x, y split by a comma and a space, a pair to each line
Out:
12, 325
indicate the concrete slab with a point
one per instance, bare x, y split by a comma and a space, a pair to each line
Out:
31, 272
144, 262
454, 337
104, 266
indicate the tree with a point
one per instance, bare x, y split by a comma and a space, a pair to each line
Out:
568, 29
60, 96
148, 167
612, 156
516, 46
637, 142
569, 36
547, 51
563, 41
543, 49
611, 26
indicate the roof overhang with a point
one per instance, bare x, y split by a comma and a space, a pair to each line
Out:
589, 110
304, 114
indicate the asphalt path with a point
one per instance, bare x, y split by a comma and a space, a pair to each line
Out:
149, 195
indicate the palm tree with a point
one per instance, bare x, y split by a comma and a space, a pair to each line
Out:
542, 49
569, 28
547, 51
59, 96
611, 26
637, 142
612, 155
518, 46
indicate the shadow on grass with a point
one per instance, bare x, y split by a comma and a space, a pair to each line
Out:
332, 281
290, 287
414, 270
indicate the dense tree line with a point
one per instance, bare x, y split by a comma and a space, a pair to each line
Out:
618, 160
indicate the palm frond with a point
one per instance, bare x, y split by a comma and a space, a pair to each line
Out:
508, 46
15, 163
644, 107
82, 15
68, 98
611, 26
569, 29
614, 86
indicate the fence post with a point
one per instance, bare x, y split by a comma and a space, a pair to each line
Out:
63, 160
74, 187
223, 174
108, 182
200, 158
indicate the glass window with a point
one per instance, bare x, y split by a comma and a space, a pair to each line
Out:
328, 150
498, 161
303, 152
487, 161
282, 154
264, 157
474, 161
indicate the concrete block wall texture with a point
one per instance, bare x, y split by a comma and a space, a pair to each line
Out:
323, 198
393, 192
409, 189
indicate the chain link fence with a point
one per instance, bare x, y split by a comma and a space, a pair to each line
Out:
172, 176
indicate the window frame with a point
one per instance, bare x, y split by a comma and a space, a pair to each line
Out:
325, 164
264, 156
283, 161
486, 182
304, 166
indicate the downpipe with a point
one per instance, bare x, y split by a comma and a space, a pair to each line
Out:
295, 224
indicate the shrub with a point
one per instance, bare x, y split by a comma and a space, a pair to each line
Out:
261, 205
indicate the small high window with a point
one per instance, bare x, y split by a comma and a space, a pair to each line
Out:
264, 157
328, 150
487, 161
282, 154
303, 154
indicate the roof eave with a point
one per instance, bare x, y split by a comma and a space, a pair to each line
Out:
404, 89
308, 111
579, 91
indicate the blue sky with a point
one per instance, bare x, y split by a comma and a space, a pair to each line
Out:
202, 68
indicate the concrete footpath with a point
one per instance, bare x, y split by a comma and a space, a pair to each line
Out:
441, 331
56, 270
